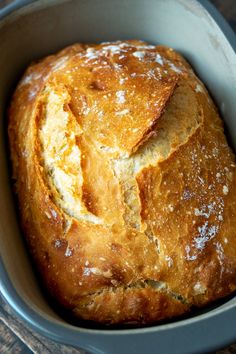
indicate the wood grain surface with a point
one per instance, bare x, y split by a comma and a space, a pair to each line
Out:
15, 336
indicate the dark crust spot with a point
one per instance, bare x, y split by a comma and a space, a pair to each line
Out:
116, 247
98, 85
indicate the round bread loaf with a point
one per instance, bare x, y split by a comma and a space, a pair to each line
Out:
126, 183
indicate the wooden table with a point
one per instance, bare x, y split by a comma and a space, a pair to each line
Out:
15, 335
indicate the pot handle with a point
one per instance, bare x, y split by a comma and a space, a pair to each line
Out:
8, 6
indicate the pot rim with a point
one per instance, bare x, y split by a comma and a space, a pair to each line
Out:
65, 332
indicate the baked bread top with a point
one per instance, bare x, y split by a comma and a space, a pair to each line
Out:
126, 183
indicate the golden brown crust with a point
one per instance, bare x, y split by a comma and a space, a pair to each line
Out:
126, 183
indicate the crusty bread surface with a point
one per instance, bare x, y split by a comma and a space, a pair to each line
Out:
125, 181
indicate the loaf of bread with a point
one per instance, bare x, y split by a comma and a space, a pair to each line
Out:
125, 181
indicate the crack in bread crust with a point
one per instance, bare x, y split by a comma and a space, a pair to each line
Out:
143, 283
61, 153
